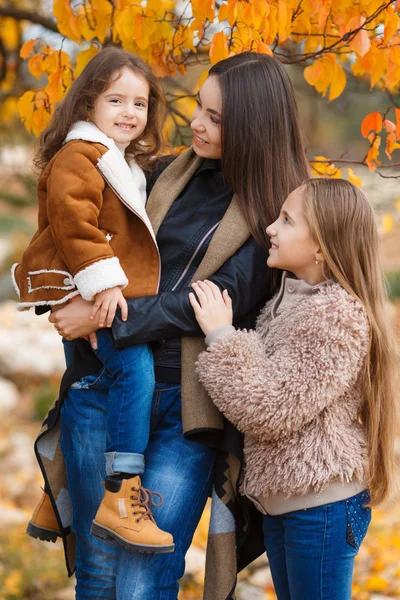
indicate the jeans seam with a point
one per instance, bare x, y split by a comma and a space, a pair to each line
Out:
321, 582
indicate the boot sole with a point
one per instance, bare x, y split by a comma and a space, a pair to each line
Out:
107, 534
40, 533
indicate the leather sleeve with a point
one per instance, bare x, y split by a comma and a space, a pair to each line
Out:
245, 275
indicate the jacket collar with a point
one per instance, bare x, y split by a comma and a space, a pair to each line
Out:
127, 180
230, 235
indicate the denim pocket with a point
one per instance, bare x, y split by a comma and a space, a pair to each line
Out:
89, 382
358, 518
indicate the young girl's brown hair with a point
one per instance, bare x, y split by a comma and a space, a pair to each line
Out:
79, 103
343, 224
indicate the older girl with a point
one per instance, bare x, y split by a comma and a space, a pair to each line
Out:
206, 208
311, 388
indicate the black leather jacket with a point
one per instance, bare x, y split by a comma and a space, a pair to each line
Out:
183, 239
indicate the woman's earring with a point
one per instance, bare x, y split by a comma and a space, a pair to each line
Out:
317, 262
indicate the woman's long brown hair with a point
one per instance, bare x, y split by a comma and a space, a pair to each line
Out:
79, 102
263, 156
343, 224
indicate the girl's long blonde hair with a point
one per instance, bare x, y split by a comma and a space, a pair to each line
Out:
343, 223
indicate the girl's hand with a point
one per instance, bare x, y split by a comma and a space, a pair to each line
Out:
105, 305
212, 309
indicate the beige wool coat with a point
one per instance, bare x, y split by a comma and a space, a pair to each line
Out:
293, 387
93, 230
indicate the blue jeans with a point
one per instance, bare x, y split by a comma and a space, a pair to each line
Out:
179, 469
129, 403
311, 552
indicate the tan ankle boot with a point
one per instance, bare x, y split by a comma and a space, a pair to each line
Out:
43, 524
125, 515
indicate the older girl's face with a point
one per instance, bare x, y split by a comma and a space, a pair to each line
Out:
206, 120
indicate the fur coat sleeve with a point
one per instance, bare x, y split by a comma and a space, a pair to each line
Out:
273, 381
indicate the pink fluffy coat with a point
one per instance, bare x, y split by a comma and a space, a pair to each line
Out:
293, 387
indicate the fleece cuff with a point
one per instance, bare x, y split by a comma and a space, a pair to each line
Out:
101, 275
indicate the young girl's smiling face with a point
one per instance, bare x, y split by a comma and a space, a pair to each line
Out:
121, 110
292, 247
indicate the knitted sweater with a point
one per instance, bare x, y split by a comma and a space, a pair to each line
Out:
293, 387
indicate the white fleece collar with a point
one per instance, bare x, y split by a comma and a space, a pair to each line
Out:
127, 180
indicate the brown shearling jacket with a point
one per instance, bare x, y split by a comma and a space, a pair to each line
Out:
93, 230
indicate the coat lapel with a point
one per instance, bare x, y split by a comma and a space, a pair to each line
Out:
231, 234
233, 230
169, 185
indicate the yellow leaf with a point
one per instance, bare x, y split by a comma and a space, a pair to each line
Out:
40, 119
203, 10
219, 48
35, 65
391, 24
66, 20
54, 88
26, 108
377, 583
9, 109
373, 154
84, 57
321, 167
10, 33
338, 82
353, 178
282, 21
27, 48
228, 12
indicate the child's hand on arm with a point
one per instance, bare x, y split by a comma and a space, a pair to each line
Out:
106, 303
212, 309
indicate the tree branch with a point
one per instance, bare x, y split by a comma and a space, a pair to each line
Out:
26, 15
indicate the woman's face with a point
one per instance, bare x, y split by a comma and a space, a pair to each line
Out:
206, 120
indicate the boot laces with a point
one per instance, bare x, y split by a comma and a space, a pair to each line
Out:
144, 501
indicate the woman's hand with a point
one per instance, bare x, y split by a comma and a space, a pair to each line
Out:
212, 309
73, 320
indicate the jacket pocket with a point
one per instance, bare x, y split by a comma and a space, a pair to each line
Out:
50, 279
358, 518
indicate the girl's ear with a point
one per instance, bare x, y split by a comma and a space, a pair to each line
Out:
319, 256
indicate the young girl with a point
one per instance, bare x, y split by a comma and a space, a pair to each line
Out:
95, 239
311, 388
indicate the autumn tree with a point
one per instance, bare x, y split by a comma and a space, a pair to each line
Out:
332, 41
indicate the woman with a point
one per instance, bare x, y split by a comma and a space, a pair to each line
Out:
209, 209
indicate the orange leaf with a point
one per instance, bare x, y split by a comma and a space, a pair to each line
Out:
391, 144
373, 153
219, 48
360, 43
264, 49
27, 48
397, 111
372, 122
389, 126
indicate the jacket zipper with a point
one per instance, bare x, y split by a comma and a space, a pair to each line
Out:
139, 216
195, 253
